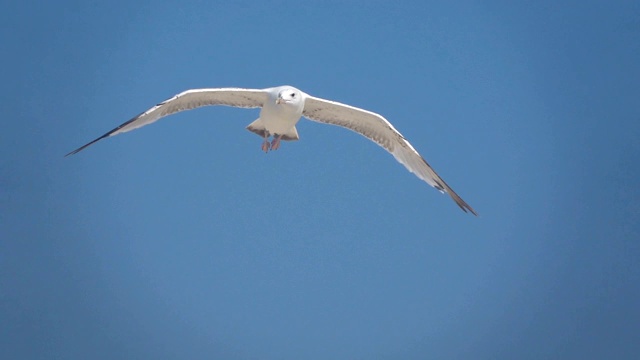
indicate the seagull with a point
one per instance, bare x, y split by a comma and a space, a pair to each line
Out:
281, 109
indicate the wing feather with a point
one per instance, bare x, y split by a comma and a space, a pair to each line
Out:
187, 100
376, 128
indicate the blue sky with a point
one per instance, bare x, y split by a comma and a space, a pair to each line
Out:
184, 240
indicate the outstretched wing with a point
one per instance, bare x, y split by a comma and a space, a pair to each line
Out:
379, 130
187, 100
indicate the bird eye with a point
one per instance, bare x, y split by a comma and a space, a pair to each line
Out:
293, 95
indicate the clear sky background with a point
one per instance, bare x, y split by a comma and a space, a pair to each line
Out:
184, 240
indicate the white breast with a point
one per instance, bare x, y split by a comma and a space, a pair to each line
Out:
280, 118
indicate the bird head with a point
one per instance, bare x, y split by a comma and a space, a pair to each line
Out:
288, 96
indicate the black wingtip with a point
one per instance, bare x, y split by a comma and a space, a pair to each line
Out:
88, 144
462, 204
107, 134
444, 188
466, 208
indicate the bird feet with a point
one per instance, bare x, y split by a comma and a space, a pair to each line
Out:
266, 145
275, 144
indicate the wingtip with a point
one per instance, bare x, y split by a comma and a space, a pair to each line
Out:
74, 152
88, 144
446, 189
466, 208
463, 205
79, 149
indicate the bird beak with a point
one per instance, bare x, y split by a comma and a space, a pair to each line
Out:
279, 101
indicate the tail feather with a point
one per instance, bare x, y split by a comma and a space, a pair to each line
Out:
291, 135
258, 128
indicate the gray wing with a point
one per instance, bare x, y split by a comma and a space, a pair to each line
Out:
379, 130
187, 100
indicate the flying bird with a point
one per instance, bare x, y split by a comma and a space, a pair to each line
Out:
281, 109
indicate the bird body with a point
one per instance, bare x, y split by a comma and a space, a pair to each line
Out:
281, 109
279, 115
282, 112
